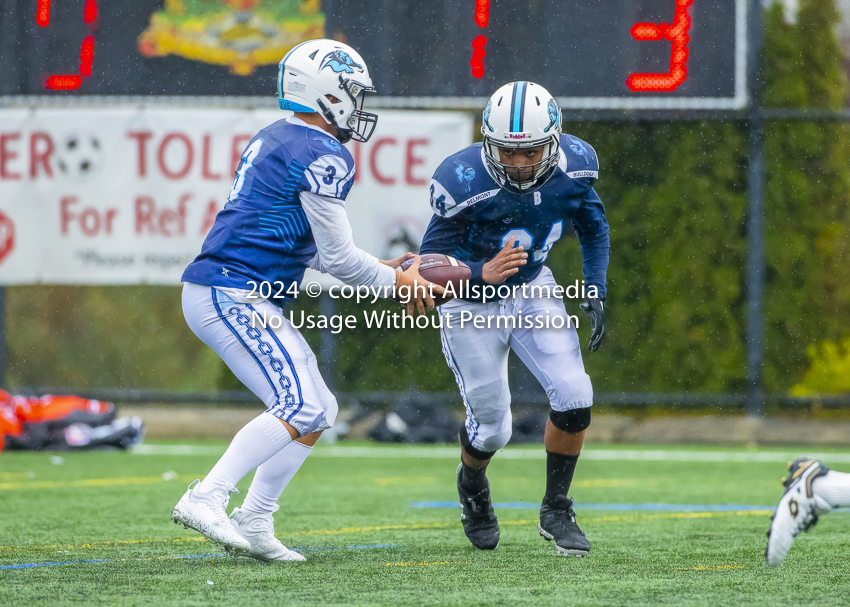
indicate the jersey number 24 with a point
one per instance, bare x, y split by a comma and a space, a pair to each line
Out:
525, 239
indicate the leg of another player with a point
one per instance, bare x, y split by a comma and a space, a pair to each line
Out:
834, 487
272, 478
811, 490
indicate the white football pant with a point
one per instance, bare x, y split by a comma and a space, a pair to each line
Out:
276, 363
479, 358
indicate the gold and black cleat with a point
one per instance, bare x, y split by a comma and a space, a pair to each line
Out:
798, 467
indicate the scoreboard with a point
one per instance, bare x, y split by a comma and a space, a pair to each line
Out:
629, 54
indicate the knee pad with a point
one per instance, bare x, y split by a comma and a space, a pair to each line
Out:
572, 421
331, 410
498, 438
466, 444
571, 392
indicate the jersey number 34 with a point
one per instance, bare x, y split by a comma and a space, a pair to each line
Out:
525, 239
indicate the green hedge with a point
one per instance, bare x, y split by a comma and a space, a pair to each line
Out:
807, 296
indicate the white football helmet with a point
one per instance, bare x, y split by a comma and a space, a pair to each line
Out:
316, 69
521, 115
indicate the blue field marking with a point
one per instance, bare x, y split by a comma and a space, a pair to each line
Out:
349, 547
653, 507
190, 556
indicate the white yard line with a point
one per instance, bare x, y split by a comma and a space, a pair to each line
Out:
176, 450
451, 452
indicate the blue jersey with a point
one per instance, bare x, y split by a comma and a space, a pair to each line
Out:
474, 218
262, 234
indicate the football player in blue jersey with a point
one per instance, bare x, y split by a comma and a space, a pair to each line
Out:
500, 206
285, 212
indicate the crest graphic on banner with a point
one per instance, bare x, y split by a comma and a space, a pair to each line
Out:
241, 34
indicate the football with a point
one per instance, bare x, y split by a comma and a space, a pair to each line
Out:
442, 270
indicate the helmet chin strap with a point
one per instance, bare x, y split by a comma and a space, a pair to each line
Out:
343, 135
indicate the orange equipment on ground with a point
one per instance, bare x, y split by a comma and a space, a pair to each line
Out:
28, 422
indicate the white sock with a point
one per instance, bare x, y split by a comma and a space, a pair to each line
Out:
256, 442
834, 487
273, 476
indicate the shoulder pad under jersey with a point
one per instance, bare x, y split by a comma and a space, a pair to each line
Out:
460, 182
578, 160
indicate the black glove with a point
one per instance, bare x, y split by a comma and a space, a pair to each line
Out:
596, 315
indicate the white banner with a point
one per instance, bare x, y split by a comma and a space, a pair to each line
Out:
126, 196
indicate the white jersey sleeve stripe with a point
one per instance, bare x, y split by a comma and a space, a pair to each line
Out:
327, 173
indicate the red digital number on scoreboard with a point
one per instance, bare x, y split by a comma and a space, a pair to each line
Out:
677, 33
69, 82
482, 18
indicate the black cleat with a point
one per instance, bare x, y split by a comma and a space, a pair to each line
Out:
558, 523
476, 513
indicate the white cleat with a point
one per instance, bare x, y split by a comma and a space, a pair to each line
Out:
798, 510
258, 529
206, 513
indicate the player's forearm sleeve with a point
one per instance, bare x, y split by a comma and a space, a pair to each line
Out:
591, 226
477, 267
315, 263
338, 255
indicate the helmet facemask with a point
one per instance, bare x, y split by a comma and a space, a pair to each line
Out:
360, 125
525, 178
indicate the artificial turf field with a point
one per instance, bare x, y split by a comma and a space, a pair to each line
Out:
350, 510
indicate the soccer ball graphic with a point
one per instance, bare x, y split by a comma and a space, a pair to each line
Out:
80, 156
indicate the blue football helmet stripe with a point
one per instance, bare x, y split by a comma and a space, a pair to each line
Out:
513, 106
518, 106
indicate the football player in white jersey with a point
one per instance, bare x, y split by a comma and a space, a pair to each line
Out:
500, 206
285, 212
